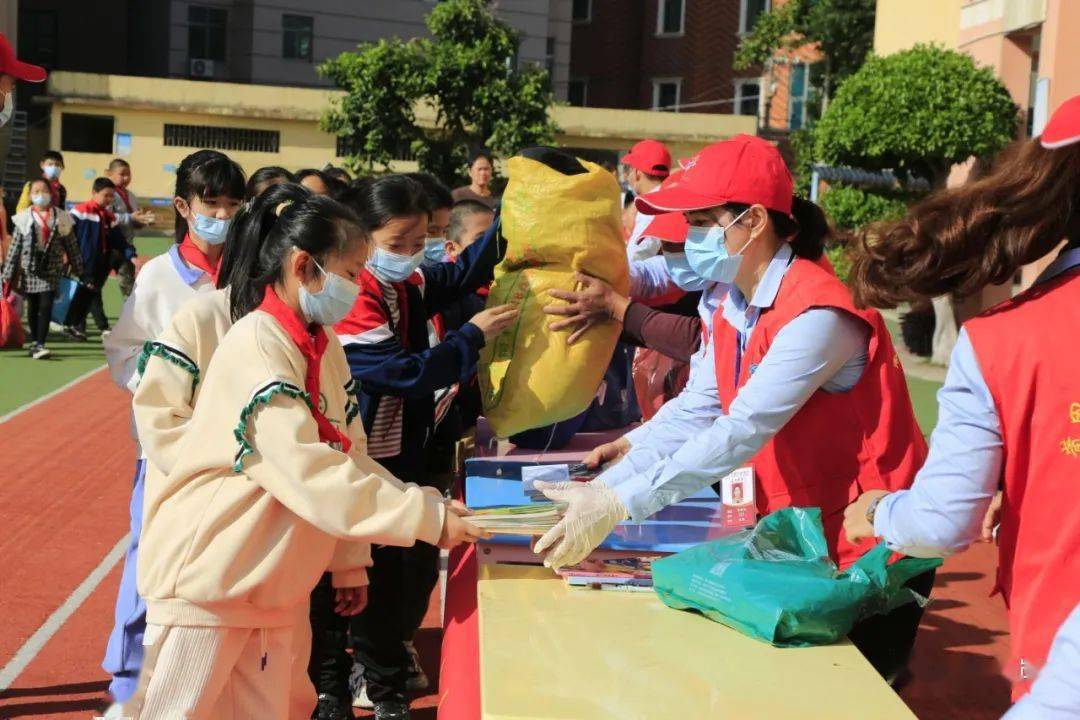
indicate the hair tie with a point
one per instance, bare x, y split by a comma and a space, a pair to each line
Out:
281, 207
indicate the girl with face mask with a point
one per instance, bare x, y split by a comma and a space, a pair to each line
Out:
797, 382
209, 191
278, 411
406, 376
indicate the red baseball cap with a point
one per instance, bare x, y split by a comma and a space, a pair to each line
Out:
744, 169
1064, 125
649, 156
10, 65
669, 227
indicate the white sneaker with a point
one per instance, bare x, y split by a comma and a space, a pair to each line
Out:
358, 688
418, 679
40, 352
115, 712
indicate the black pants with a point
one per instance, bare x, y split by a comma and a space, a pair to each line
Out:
87, 301
330, 664
886, 640
40, 305
401, 583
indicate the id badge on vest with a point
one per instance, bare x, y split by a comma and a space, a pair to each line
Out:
737, 503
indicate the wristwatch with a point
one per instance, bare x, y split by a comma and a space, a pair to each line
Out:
871, 509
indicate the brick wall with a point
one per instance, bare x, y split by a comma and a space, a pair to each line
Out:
620, 54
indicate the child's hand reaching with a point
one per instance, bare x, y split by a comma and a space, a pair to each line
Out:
456, 531
495, 319
350, 601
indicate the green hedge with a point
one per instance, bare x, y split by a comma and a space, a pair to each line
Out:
851, 208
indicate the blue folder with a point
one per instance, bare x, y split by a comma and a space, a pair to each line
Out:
492, 483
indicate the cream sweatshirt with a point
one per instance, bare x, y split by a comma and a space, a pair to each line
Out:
170, 369
239, 531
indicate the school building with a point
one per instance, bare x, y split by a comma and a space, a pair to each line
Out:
155, 122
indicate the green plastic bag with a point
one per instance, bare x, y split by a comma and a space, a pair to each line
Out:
775, 582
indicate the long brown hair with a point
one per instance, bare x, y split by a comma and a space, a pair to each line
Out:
961, 239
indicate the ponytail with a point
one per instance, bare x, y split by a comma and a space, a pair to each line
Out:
961, 239
206, 174
267, 229
806, 230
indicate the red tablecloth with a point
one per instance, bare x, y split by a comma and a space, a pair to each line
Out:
459, 664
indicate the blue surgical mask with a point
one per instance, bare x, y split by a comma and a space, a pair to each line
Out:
330, 305
52, 171
708, 255
40, 200
681, 273
392, 267
212, 230
435, 250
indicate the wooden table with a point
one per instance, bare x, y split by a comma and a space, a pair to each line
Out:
547, 651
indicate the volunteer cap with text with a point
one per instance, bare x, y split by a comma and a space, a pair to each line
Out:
1064, 125
744, 169
649, 156
10, 65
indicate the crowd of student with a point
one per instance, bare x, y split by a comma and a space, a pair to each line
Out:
365, 411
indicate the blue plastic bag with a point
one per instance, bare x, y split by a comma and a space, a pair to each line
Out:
777, 583
65, 291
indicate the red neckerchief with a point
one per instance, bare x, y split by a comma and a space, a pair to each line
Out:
54, 190
122, 193
195, 257
312, 345
45, 228
105, 217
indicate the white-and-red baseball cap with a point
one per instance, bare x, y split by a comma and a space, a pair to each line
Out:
10, 65
1064, 125
649, 156
744, 169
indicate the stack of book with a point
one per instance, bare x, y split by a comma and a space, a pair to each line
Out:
627, 574
533, 519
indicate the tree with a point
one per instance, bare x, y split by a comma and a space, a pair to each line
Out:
466, 72
916, 112
842, 30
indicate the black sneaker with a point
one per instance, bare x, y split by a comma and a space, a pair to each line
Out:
332, 708
74, 333
391, 710
40, 352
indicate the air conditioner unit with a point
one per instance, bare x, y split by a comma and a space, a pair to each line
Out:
202, 68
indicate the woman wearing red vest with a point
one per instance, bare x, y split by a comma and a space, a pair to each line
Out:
1010, 406
803, 386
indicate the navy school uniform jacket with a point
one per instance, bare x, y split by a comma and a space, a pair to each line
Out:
396, 358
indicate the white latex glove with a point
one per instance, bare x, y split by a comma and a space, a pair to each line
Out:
593, 510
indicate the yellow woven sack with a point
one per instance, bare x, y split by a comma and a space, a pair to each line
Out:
554, 225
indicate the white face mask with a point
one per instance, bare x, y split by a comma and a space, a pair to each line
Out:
41, 200
52, 171
330, 305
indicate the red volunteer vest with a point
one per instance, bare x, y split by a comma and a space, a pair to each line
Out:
1027, 349
838, 445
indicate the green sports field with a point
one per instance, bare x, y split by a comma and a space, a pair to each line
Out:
23, 379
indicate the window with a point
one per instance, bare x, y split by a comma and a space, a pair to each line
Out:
222, 138
670, 16
749, 11
37, 37
577, 92
747, 96
582, 12
206, 33
296, 37
665, 94
86, 133
798, 95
